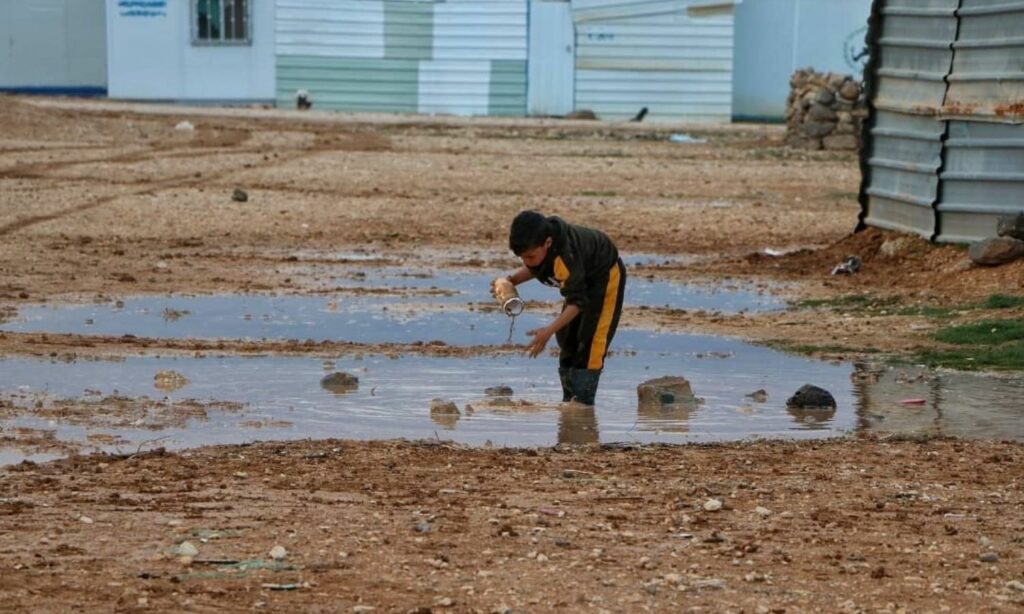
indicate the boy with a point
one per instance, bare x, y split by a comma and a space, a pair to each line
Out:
585, 265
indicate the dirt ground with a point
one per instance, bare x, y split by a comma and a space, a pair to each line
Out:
101, 201
850, 526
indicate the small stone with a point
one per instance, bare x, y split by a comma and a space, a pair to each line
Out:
996, 251
339, 382
362, 609
763, 512
444, 602
498, 391
423, 527
758, 396
239, 195
187, 549
442, 407
712, 505
185, 126
169, 381
278, 553
809, 396
85, 520
1016, 585
850, 90
989, 557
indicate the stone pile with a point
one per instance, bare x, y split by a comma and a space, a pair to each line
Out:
824, 111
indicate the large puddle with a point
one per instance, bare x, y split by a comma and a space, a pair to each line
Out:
184, 402
386, 305
282, 398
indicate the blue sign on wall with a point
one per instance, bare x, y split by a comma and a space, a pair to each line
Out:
142, 8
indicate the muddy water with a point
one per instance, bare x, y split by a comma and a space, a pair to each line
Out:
284, 399
386, 305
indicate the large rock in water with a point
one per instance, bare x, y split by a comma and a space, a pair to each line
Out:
812, 397
668, 390
996, 251
1011, 226
340, 383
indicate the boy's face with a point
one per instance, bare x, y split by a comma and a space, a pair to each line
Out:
535, 255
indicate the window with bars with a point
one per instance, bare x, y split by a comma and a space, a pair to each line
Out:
220, 22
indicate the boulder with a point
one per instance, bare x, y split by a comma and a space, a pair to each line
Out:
811, 397
996, 251
1011, 226
668, 390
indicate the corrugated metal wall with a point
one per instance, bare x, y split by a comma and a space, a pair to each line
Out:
944, 150
465, 57
983, 175
673, 57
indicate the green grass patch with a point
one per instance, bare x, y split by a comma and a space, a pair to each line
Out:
1009, 356
987, 332
1002, 301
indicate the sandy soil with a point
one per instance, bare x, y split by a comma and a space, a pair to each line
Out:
100, 201
852, 526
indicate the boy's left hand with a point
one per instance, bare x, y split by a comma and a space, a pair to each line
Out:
540, 341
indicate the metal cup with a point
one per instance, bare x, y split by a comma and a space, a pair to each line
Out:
508, 298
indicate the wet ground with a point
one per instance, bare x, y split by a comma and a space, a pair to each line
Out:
147, 315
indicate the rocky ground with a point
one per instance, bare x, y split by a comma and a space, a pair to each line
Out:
100, 201
847, 526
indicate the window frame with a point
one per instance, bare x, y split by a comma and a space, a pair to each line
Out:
197, 41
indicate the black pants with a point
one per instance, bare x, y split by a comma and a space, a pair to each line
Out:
583, 343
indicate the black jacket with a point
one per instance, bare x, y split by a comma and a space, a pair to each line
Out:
578, 260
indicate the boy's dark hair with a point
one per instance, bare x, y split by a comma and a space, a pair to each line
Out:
529, 229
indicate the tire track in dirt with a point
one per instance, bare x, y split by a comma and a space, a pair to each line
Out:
184, 180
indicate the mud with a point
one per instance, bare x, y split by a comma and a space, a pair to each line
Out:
103, 202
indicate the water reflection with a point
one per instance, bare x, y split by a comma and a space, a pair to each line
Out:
812, 418
286, 397
666, 417
577, 424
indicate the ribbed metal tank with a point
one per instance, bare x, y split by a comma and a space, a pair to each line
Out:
943, 153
